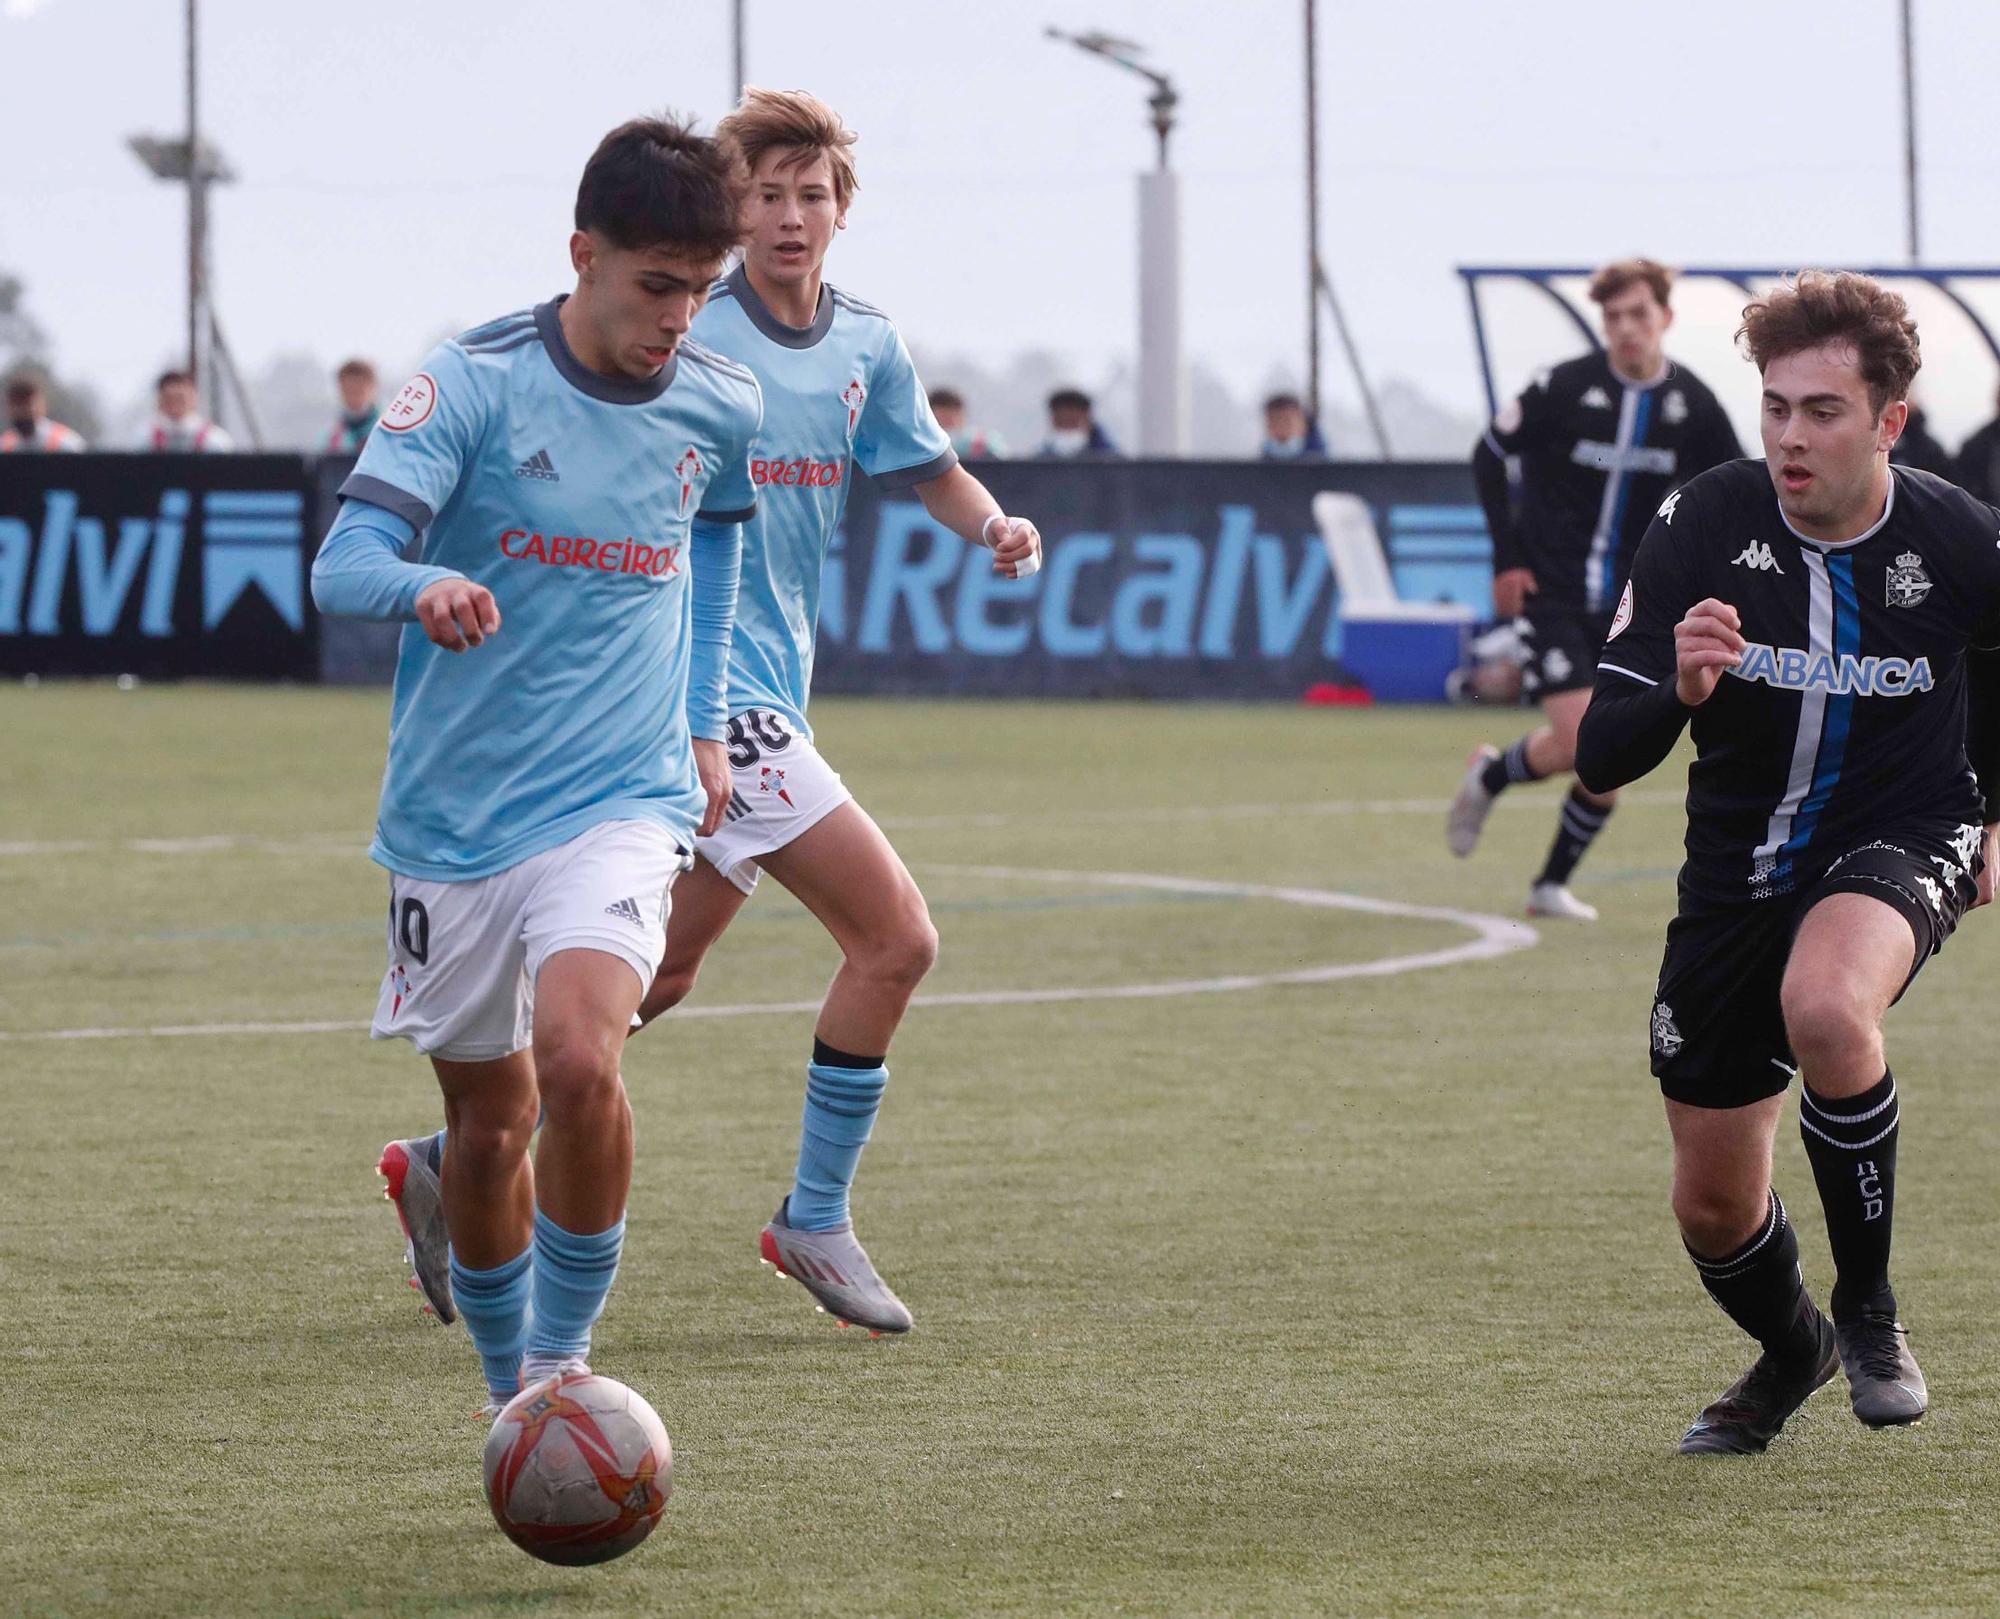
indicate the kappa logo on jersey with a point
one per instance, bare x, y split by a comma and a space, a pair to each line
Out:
1666, 1037
1965, 844
1595, 398
1623, 616
687, 469
581, 551
773, 781
1908, 584
1757, 558
413, 406
1668, 507
1789, 669
853, 396
1674, 407
1931, 891
540, 466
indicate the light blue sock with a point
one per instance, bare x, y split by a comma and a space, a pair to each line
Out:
572, 1276
841, 1104
495, 1306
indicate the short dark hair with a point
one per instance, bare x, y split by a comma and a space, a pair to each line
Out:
173, 376
356, 367
1815, 308
23, 386
653, 182
1069, 399
1622, 274
946, 399
1285, 402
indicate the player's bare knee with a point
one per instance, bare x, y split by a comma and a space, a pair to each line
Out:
578, 1072
1717, 1220
490, 1138
909, 953
1828, 1026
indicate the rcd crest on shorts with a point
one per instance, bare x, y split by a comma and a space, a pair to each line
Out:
1666, 1038
1908, 583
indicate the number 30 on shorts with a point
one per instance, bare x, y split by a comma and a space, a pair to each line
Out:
754, 733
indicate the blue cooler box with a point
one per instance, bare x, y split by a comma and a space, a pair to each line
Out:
1405, 652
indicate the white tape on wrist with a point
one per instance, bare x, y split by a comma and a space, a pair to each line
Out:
986, 530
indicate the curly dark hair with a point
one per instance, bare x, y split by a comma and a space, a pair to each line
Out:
1817, 307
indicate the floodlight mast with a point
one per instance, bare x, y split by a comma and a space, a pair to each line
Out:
1163, 401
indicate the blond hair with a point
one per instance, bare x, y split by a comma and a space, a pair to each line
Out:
796, 123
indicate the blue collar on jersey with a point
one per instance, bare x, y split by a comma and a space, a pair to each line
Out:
792, 337
612, 390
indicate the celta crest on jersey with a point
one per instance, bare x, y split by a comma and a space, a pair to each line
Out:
854, 396
1907, 584
687, 469
1846, 675
1758, 556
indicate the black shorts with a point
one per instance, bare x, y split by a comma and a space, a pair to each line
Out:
1563, 645
1718, 1029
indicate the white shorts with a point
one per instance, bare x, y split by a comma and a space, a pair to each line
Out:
783, 788
464, 956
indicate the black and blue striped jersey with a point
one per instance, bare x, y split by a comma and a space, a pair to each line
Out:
1597, 453
1846, 718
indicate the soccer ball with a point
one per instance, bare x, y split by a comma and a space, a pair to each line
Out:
578, 1469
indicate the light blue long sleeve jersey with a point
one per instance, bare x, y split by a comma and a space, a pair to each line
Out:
838, 394
585, 504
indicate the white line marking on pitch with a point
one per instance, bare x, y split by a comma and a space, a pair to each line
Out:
351, 843
1494, 936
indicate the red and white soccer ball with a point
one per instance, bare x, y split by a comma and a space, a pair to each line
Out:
578, 1469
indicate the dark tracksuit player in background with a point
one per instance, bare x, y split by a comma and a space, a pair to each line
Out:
1817, 617
1600, 440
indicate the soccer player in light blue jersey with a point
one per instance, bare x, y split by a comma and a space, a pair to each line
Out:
840, 393
578, 473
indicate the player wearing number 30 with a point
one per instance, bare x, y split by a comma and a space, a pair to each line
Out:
579, 475
840, 392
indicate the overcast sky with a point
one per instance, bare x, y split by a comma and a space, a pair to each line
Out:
408, 169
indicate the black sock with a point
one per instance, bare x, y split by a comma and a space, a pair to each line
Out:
1509, 770
825, 1056
1760, 1289
1852, 1145
1580, 823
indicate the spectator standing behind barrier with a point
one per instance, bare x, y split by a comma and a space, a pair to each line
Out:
1979, 462
1073, 431
29, 426
971, 443
1919, 447
358, 408
1289, 433
179, 427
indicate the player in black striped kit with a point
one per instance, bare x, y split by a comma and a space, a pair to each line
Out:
1817, 617
1600, 439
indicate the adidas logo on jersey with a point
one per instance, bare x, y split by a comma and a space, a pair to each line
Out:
626, 910
1758, 558
540, 466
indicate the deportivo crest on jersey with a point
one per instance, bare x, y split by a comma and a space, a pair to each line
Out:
1758, 556
1674, 407
1596, 399
1908, 584
1623, 616
1666, 1038
1668, 507
854, 396
687, 469
1845, 675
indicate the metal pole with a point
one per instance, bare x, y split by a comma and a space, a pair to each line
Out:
1312, 215
197, 210
1910, 129
1346, 337
741, 72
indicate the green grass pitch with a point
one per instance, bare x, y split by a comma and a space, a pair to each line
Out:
1358, 1297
